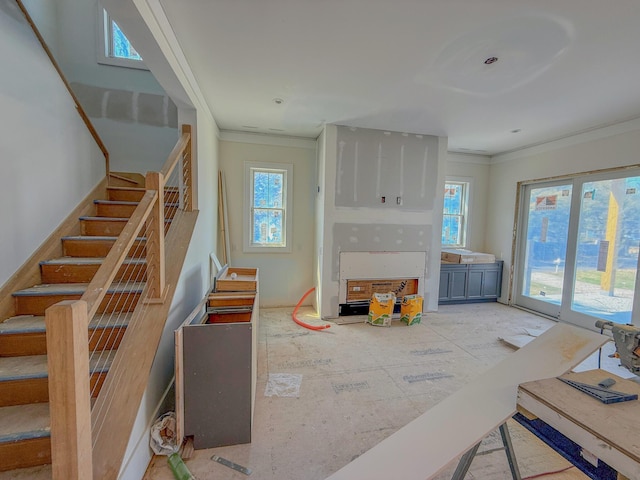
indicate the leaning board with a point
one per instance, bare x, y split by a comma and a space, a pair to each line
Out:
424, 447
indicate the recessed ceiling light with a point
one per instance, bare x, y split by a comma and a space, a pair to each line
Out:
516, 130
490, 60
278, 101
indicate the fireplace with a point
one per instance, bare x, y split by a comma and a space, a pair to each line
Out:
365, 273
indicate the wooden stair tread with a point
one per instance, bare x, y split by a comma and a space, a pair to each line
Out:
23, 422
109, 219
87, 261
35, 366
35, 323
127, 202
104, 219
115, 202
75, 289
97, 238
133, 189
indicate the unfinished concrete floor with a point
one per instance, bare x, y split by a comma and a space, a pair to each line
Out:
361, 383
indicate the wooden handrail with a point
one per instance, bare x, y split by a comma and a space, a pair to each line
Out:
97, 289
79, 108
175, 155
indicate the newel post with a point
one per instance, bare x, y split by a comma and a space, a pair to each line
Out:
67, 327
187, 170
155, 240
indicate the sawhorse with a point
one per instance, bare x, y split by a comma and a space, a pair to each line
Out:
467, 458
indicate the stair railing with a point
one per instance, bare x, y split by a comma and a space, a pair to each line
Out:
113, 308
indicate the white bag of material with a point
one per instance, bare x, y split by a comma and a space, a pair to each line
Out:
163, 435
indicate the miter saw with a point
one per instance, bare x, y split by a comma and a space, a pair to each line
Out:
627, 340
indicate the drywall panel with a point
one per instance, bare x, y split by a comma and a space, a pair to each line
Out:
600, 153
129, 148
383, 169
364, 237
383, 223
284, 277
427, 445
50, 161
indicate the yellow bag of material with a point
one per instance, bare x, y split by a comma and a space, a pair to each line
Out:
381, 309
411, 309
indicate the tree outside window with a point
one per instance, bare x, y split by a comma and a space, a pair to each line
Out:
267, 207
454, 215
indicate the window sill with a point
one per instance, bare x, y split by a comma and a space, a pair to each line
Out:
123, 63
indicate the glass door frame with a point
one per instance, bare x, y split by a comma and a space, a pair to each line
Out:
564, 311
567, 314
546, 308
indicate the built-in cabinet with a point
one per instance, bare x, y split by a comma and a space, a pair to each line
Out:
467, 283
216, 378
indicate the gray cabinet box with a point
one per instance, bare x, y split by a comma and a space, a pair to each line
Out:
467, 283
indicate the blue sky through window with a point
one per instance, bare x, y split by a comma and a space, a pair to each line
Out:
121, 46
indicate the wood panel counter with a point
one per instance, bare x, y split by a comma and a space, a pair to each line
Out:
608, 431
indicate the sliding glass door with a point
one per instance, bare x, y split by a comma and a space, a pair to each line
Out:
578, 243
543, 246
606, 258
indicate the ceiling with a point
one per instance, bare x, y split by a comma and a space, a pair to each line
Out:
287, 67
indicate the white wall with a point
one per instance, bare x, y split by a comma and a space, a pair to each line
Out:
50, 161
284, 277
473, 169
72, 36
606, 148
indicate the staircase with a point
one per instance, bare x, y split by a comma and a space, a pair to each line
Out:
24, 411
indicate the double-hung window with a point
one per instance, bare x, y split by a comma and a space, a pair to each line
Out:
454, 214
268, 212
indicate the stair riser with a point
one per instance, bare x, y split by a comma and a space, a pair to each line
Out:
107, 228
21, 344
125, 211
36, 304
25, 453
95, 248
36, 390
118, 195
102, 227
136, 195
69, 273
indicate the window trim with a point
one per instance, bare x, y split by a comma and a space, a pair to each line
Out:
103, 47
287, 168
466, 183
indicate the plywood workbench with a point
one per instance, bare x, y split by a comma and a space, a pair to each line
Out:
608, 431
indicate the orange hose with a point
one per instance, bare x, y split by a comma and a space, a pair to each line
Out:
300, 322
